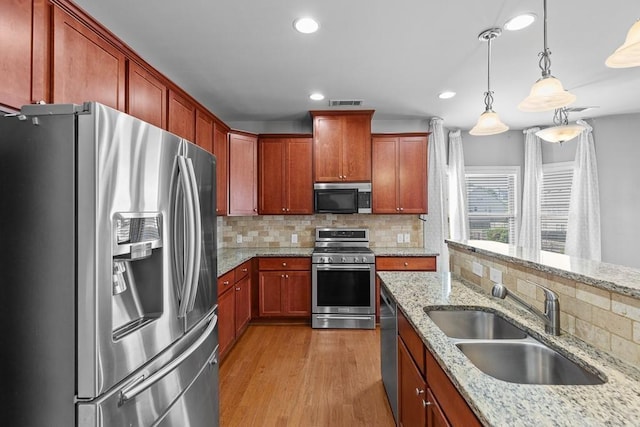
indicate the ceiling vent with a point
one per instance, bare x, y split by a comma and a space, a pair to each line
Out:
345, 102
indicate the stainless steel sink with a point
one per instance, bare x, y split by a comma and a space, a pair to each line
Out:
526, 362
474, 324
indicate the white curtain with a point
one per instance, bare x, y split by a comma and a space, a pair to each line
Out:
530, 236
458, 211
435, 225
583, 229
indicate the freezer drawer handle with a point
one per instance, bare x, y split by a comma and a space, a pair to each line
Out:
138, 387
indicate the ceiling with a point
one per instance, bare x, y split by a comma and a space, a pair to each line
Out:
245, 62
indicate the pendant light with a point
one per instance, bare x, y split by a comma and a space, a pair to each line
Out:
562, 131
489, 123
627, 55
547, 93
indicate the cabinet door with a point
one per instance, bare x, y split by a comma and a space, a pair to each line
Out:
412, 175
385, 172
181, 116
85, 66
356, 148
298, 293
243, 176
270, 289
411, 389
299, 178
243, 304
15, 39
272, 176
435, 416
221, 149
226, 320
146, 97
327, 149
204, 130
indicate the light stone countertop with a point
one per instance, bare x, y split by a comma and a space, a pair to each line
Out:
611, 277
500, 403
230, 258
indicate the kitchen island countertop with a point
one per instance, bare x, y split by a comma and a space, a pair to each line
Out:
500, 403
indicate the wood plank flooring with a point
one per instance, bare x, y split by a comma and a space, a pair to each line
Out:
292, 375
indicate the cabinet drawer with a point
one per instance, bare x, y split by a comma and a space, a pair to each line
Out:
412, 341
225, 282
418, 263
448, 397
242, 271
284, 263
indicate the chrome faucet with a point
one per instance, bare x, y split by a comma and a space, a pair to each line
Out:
551, 315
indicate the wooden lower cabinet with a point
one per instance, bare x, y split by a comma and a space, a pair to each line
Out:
284, 287
426, 396
234, 306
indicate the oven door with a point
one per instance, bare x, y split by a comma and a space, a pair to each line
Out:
343, 288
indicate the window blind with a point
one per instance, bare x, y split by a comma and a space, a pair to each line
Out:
554, 206
492, 206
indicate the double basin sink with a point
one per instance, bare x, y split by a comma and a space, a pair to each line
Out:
504, 351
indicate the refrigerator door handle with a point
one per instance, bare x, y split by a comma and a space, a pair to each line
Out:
138, 386
190, 239
198, 235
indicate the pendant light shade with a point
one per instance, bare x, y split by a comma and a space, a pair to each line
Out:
489, 123
547, 93
563, 131
627, 55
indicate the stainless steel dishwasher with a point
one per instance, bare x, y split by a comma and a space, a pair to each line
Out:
389, 349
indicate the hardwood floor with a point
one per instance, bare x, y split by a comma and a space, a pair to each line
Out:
281, 375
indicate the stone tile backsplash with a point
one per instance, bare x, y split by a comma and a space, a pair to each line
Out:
276, 230
605, 319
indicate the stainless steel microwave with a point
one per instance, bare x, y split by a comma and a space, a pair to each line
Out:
339, 197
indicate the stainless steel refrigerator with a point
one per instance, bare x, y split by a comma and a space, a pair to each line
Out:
108, 272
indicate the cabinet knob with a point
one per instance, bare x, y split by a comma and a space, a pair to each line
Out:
284, 264
401, 209
398, 209
255, 209
237, 289
244, 270
419, 391
282, 275
406, 264
426, 403
283, 209
225, 283
286, 276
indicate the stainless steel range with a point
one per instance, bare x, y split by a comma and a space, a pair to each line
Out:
343, 279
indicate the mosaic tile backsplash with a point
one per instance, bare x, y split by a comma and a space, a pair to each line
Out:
276, 230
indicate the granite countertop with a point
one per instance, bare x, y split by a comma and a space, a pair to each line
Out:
611, 277
500, 403
230, 258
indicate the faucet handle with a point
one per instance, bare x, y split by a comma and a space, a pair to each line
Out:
548, 293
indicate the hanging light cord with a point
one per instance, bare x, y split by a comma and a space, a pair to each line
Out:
561, 117
545, 56
488, 95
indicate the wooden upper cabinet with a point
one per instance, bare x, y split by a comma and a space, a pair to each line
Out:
85, 66
15, 59
221, 151
342, 145
243, 174
146, 96
286, 182
204, 130
181, 116
399, 181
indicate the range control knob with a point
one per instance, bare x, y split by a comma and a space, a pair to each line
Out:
343, 259
355, 259
330, 259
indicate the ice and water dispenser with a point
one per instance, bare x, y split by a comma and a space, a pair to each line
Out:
137, 285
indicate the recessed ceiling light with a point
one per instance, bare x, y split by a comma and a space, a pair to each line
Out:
306, 25
519, 22
316, 96
447, 94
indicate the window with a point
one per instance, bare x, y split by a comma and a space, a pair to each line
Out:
554, 205
492, 196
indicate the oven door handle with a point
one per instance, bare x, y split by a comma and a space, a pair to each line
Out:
344, 266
